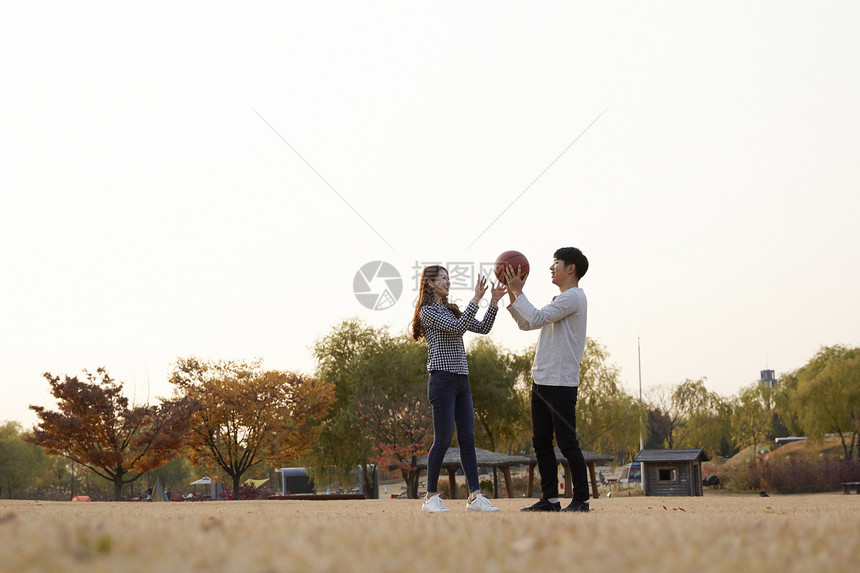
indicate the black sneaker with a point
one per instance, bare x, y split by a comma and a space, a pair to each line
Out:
577, 505
544, 505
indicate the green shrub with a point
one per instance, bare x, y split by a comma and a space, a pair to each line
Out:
486, 486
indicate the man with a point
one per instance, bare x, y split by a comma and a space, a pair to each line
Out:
555, 372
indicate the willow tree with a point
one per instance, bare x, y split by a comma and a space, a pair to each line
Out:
690, 416
827, 396
391, 405
341, 446
248, 415
501, 415
95, 426
608, 417
752, 417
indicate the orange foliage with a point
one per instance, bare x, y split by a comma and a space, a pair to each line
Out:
248, 415
95, 426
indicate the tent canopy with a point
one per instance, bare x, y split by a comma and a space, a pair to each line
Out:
202, 481
256, 482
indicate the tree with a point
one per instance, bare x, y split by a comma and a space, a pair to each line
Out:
660, 424
727, 446
341, 446
784, 397
95, 427
501, 416
666, 414
520, 439
248, 415
608, 418
392, 409
751, 414
66, 474
827, 398
20, 462
688, 416
703, 422
174, 475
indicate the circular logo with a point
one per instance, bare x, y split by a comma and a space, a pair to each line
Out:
377, 285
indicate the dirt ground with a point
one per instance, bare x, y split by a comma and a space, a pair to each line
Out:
717, 532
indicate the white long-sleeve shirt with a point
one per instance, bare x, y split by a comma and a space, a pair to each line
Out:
561, 342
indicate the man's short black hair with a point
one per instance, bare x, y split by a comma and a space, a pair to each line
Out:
573, 256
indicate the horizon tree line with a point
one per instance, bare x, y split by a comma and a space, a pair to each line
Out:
366, 407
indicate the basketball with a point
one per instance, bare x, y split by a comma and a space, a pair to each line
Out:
514, 259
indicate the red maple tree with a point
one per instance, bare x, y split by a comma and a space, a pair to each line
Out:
400, 430
95, 426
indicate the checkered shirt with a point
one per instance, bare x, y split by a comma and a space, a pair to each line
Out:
444, 334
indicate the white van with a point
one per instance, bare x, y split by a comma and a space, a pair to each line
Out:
631, 473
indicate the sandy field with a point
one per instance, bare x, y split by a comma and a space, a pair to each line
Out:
717, 532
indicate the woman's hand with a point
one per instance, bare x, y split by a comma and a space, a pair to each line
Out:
480, 289
499, 290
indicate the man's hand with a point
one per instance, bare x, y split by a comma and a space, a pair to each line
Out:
515, 280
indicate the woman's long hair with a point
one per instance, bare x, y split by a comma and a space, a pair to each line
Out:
425, 297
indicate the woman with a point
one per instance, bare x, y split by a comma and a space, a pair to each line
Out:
443, 325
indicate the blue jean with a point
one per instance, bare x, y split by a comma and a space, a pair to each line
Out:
451, 399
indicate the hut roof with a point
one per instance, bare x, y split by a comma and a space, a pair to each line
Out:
589, 456
486, 458
692, 455
490, 459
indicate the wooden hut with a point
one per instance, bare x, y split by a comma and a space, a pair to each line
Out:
672, 472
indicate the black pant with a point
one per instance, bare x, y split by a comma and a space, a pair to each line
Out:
554, 412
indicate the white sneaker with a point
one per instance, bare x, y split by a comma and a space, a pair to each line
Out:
434, 505
480, 503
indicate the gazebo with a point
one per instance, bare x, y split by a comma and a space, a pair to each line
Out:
590, 459
486, 459
214, 488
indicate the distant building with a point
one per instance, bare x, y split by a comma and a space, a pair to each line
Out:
787, 440
767, 377
296, 480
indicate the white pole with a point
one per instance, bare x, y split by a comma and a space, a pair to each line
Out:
639, 353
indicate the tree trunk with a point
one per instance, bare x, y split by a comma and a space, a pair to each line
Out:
848, 448
236, 483
414, 486
411, 478
117, 487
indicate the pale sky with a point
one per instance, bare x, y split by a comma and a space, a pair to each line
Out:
151, 211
